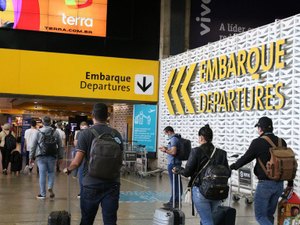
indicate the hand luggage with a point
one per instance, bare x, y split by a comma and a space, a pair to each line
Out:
164, 216
59, 218
224, 215
289, 210
62, 217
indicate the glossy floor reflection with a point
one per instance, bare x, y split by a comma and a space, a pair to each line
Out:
139, 198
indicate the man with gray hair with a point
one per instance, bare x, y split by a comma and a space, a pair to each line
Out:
46, 149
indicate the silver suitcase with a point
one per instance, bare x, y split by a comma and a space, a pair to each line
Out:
173, 216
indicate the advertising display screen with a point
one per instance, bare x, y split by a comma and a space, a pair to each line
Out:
83, 17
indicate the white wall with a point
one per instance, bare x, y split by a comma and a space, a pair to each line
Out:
233, 131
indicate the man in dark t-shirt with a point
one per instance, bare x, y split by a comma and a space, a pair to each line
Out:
96, 191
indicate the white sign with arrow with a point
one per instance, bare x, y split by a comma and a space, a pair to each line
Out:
143, 84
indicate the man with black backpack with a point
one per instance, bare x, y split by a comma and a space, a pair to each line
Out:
100, 149
8, 144
173, 161
45, 150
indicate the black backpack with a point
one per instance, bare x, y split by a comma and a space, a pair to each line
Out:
10, 142
48, 143
106, 156
184, 148
214, 180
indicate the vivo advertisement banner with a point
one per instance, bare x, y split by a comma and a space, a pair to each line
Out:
213, 20
144, 126
84, 17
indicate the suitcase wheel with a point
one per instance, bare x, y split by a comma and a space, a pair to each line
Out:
249, 200
236, 197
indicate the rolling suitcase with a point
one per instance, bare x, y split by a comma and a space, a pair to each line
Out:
62, 217
164, 216
59, 218
225, 215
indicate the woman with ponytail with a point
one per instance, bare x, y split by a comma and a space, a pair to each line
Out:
198, 159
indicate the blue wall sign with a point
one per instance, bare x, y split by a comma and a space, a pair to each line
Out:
144, 126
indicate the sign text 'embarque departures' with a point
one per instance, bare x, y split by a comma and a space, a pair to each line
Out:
252, 62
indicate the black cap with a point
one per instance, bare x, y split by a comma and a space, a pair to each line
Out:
264, 122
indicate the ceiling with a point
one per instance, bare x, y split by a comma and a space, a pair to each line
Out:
41, 106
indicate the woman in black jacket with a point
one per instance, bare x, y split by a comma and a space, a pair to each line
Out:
198, 158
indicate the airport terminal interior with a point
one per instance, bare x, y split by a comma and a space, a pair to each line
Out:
62, 57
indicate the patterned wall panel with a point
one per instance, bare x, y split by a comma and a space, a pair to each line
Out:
121, 112
233, 131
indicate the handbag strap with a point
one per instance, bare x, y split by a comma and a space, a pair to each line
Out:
206, 164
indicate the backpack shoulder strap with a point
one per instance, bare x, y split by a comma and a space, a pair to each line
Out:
204, 166
269, 141
273, 145
95, 133
279, 142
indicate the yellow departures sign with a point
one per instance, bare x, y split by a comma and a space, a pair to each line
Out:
176, 78
243, 62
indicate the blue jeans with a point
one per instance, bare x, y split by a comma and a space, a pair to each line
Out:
265, 200
204, 206
106, 194
46, 165
170, 167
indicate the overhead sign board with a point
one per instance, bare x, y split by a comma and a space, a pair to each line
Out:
54, 74
255, 61
84, 17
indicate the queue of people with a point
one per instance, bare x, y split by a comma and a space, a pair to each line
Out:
267, 191
96, 191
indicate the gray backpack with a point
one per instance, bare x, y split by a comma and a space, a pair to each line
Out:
106, 156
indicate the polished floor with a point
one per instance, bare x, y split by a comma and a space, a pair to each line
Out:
140, 196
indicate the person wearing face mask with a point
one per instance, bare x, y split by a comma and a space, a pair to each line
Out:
267, 191
171, 150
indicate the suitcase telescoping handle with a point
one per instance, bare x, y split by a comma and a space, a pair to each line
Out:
68, 185
179, 190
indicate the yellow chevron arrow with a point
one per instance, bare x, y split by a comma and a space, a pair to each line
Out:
184, 87
166, 93
175, 88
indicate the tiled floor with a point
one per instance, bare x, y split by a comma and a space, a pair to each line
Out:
139, 199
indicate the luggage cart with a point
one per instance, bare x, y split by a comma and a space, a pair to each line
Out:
245, 184
129, 159
142, 162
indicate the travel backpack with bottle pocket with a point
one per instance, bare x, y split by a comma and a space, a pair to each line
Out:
106, 156
282, 164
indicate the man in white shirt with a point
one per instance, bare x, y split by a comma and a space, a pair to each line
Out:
28, 135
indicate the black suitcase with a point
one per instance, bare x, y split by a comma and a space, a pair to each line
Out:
172, 216
59, 218
62, 217
224, 215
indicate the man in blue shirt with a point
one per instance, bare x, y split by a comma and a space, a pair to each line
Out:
171, 151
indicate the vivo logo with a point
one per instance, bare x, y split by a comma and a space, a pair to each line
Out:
204, 19
77, 21
78, 3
